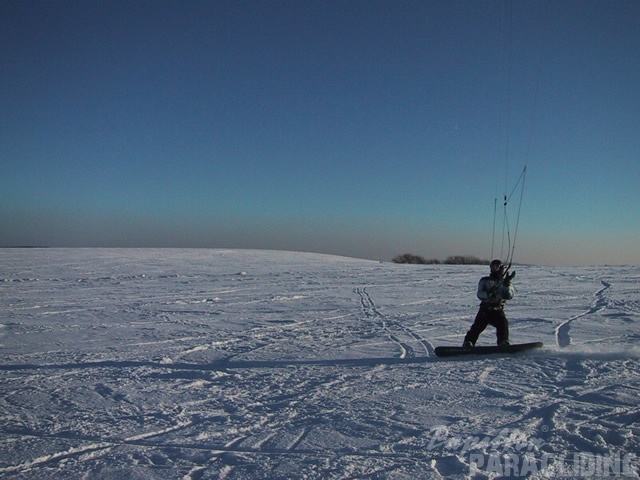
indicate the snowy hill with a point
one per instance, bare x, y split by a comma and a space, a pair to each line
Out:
203, 364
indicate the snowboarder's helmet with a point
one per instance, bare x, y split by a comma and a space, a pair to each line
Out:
497, 264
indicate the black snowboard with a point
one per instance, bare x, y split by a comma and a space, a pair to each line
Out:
485, 350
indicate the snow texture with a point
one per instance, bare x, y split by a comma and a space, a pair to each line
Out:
203, 364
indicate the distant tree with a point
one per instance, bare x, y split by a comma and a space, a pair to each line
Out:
464, 260
451, 260
409, 258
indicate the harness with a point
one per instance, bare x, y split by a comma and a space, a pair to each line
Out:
492, 307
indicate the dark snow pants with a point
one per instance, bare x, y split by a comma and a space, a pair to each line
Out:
489, 316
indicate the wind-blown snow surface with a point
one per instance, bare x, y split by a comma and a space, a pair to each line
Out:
194, 364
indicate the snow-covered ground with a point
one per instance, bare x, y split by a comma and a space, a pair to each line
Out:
196, 364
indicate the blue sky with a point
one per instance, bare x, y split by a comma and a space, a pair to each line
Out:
360, 128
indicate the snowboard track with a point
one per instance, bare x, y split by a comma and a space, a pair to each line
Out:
600, 302
398, 333
97, 444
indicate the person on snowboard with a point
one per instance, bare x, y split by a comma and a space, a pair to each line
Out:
493, 291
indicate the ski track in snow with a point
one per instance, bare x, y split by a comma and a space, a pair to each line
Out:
401, 335
188, 364
563, 337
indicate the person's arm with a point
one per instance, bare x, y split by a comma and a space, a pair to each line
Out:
507, 290
484, 292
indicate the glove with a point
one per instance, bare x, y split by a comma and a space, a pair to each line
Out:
507, 280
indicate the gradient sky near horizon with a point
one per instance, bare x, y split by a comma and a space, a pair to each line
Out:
360, 128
